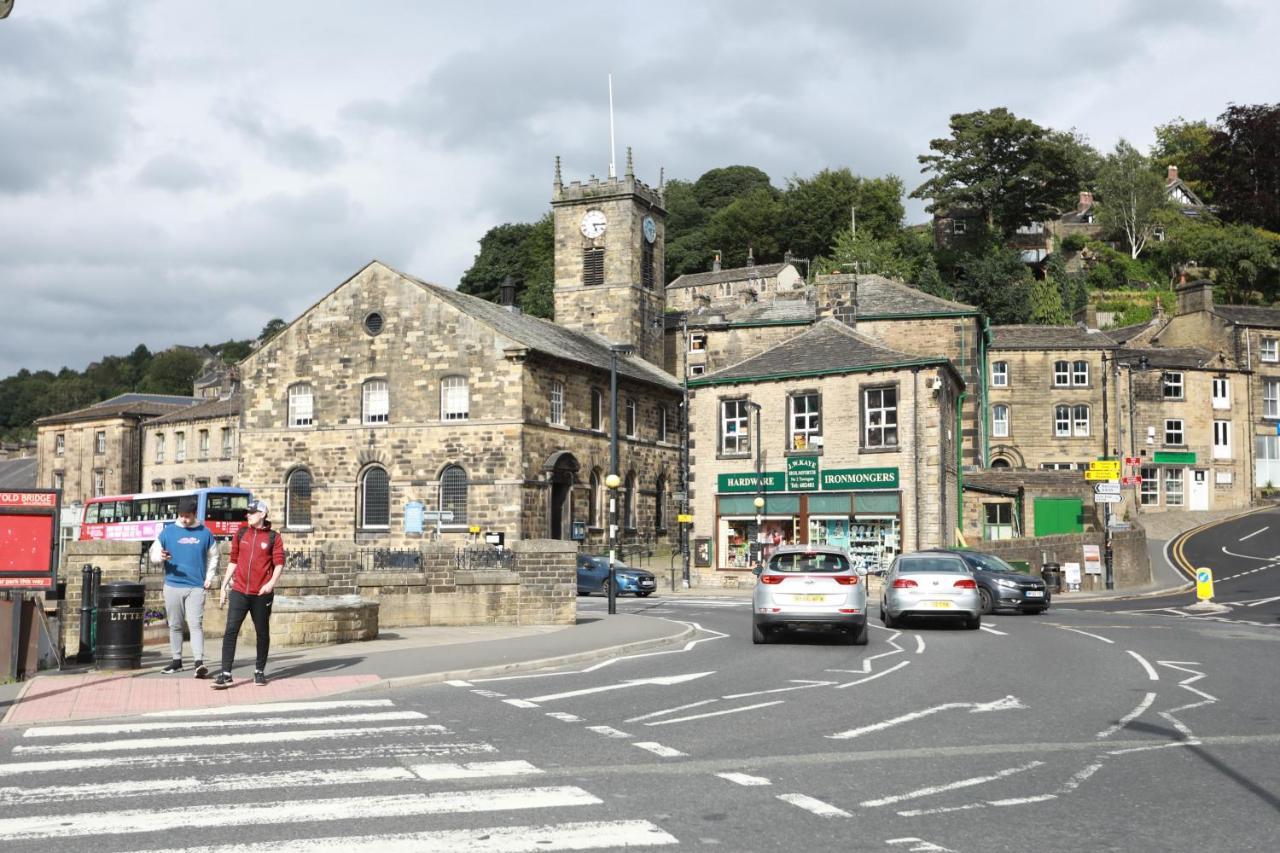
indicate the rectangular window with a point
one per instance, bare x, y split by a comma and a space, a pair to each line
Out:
1173, 482
204, 444
158, 485
697, 342
593, 266
1062, 421
735, 428
375, 402
631, 418
1267, 460
1080, 373
300, 406
1000, 374
557, 402
1149, 495
1222, 439
957, 226
597, 409
806, 421
1062, 373
60, 444
100, 442
202, 482
1080, 421
1173, 386
1221, 392
159, 447
999, 521
662, 423
99, 484
224, 481
178, 483
1173, 432
1269, 349
227, 446
1271, 398
1000, 421
879, 417
179, 447
697, 369
455, 399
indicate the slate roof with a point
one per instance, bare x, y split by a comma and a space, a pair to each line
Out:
878, 296
1194, 358
18, 473
546, 337
124, 405
797, 312
734, 274
1126, 333
1249, 315
1049, 337
213, 408
826, 348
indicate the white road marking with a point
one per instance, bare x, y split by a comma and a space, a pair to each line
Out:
1023, 801
128, 728
520, 703
1086, 633
488, 694
922, 846
919, 644
1246, 556
670, 710
1079, 777
950, 786
1151, 673
662, 680
473, 770
991, 630
271, 708
1263, 601
1129, 717
744, 779
593, 835
804, 684
561, 715
893, 668
458, 683
211, 740
608, 731
298, 811
812, 805
659, 749
713, 714
1255, 533
1008, 703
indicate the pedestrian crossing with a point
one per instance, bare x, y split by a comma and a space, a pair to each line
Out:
295, 776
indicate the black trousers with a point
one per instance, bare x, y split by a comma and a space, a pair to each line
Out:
259, 608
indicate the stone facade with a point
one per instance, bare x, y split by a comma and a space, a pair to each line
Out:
743, 284
192, 448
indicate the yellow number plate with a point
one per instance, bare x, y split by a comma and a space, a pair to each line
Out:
818, 598
942, 604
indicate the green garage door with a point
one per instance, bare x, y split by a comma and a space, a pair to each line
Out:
1058, 515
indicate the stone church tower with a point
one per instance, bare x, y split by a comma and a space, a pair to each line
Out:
609, 260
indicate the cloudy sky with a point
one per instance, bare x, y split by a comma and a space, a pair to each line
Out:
181, 172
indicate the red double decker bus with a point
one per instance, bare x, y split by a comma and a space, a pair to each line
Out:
140, 518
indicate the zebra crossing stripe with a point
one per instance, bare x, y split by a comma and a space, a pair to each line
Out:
272, 708
131, 728
593, 835
211, 740
273, 814
473, 770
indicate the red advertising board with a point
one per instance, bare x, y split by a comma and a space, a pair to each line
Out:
28, 538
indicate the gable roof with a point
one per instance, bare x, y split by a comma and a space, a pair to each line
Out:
124, 406
1193, 358
772, 312
1123, 334
876, 296
734, 274
829, 347
213, 408
1049, 337
18, 473
1250, 315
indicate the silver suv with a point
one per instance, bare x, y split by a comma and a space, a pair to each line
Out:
810, 586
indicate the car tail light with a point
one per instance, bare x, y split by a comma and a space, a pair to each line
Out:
905, 583
771, 579
847, 580
966, 583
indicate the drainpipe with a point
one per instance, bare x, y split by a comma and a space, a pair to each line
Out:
984, 439
959, 463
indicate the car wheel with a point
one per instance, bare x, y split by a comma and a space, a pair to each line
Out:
604, 588
988, 603
974, 624
860, 636
887, 618
758, 635
644, 594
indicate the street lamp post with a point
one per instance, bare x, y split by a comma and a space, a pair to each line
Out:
1106, 508
759, 501
612, 481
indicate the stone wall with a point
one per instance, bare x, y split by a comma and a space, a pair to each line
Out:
1131, 566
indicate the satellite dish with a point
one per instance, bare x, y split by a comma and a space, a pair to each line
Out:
6, 6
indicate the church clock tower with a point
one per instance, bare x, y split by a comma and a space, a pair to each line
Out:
609, 260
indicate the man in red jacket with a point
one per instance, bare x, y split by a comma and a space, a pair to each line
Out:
257, 558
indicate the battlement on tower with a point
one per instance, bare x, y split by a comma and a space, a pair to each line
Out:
605, 188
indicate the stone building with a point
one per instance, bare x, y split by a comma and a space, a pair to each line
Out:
192, 448
841, 439
747, 284
98, 450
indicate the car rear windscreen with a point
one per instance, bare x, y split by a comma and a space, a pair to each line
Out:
932, 564
808, 563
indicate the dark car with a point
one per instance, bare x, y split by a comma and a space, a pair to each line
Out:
1001, 585
593, 576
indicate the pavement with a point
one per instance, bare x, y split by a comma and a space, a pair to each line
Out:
404, 656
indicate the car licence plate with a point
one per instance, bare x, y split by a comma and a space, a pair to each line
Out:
1035, 593
941, 604
817, 598
646, 583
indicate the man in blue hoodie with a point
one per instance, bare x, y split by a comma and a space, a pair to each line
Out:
190, 556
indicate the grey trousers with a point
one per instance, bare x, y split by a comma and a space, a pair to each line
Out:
184, 605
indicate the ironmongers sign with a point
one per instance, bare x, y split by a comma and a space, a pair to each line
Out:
835, 480
860, 478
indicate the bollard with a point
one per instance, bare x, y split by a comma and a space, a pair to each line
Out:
85, 655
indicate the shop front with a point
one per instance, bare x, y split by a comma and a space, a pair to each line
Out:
858, 509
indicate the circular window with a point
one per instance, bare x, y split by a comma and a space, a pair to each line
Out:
373, 323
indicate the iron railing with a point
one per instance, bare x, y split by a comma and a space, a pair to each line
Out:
390, 560
483, 558
304, 560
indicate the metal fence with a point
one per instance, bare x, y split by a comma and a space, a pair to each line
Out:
390, 560
304, 560
483, 558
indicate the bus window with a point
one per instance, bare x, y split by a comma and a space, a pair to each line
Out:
226, 507
107, 511
91, 514
168, 507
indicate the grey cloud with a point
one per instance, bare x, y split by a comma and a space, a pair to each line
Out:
176, 173
293, 146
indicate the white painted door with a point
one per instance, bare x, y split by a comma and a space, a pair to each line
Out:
1199, 498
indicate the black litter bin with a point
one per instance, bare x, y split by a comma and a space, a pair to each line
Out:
1052, 575
120, 625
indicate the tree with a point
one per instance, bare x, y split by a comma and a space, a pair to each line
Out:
996, 281
1046, 303
718, 188
172, 372
1010, 169
1187, 145
1131, 196
501, 255
1244, 168
817, 209
751, 222
273, 328
538, 269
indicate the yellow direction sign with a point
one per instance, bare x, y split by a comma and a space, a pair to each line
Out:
684, 518
1101, 475
1105, 465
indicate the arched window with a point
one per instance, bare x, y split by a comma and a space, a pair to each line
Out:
300, 406
593, 499
455, 399
453, 493
297, 499
1000, 421
659, 505
629, 503
1000, 463
375, 403
375, 499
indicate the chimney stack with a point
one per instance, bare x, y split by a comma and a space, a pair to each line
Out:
507, 298
751, 257
1172, 177
1086, 201
715, 264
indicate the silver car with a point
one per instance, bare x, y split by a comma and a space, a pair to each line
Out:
810, 586
930, 584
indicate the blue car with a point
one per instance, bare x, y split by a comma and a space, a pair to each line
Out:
593, 576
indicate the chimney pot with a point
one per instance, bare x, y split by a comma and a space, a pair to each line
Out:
1173, 175
1086, 201
715, 264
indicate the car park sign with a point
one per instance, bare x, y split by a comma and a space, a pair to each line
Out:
1109, 488
1104, 498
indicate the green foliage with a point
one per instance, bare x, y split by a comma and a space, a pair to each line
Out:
1132, 196
1073, 242
1243, 166
751, 222
1112, 270
1187, 145
1010, 169
538, 262
719, 188
1046, 303
273, 328
524, 251
818, 208
995, 280
1244, 261
172, 372
1073, 289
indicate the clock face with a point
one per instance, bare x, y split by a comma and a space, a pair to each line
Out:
593, 223
650, 229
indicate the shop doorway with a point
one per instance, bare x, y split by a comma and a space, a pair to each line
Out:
1199, 497
563, 469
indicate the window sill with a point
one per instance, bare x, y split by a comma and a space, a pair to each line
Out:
307, 529
815, 453
733, 456
878, 450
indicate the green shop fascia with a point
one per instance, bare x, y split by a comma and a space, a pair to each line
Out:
859, 509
